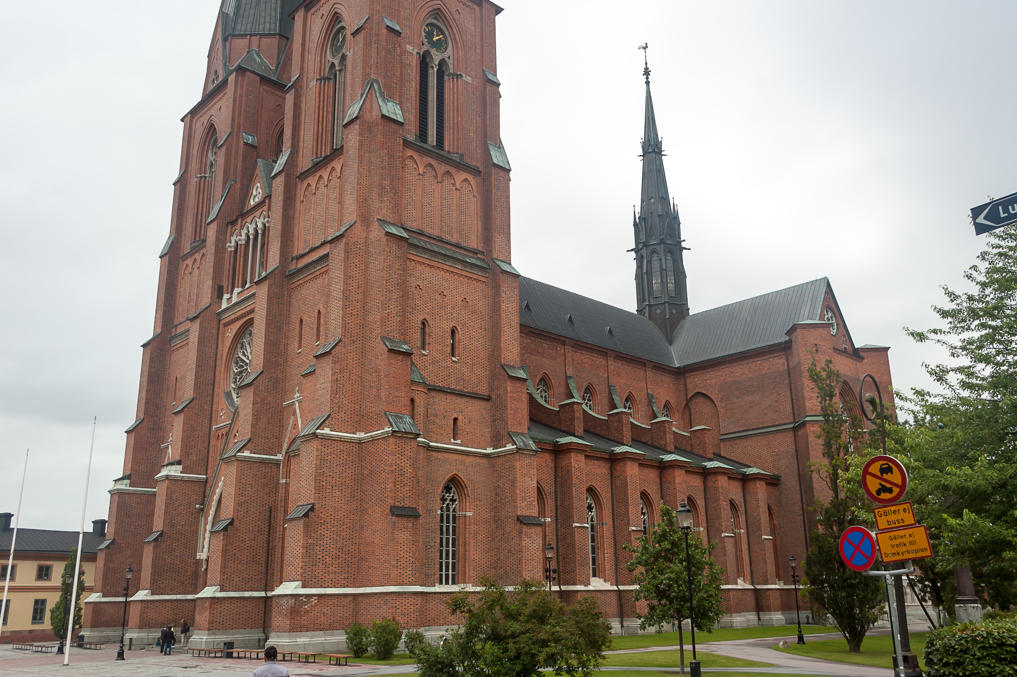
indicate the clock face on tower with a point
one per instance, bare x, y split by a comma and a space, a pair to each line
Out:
435, 38
831, 317
338, 41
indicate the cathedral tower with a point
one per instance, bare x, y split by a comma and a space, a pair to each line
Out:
334, 372
661, 292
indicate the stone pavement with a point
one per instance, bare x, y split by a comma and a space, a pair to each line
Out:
150, 663
789, 664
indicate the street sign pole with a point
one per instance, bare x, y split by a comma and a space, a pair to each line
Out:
894, 630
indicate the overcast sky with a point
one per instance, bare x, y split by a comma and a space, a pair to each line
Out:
804, 139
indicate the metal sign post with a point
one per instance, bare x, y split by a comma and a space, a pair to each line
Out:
885, 481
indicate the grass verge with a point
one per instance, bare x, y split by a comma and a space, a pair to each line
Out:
670, 659
718, 635
877, 650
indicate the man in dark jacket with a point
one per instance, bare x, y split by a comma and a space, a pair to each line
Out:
167, 639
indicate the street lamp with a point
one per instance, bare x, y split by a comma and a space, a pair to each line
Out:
794, 581
685, 520
65, 593
550, 573
123, 623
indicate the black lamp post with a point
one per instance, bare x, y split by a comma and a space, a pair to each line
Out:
123, 623
685, 520
65, 593
794, 581
550, 573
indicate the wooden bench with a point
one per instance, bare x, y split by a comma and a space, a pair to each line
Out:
306, 656
206, 653
44, 648
23, 646
90, 645
338, 658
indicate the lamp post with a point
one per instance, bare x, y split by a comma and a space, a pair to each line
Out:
65, 593
685, 520
550, 573
794, 581
123, 624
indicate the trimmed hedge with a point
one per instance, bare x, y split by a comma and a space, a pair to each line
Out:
358, 640
987, 649
414, 640
385, 636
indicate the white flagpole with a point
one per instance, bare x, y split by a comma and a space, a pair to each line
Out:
14, 538
72, 606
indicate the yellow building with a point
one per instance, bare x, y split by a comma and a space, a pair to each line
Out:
39, 558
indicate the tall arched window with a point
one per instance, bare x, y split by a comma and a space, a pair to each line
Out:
448, 536
205, 185
453, 348
670, 275
644, 516
435, 60
591, 521
455, 428
629, 406
666, 411
300, 334
332, 97
696, 523
589, 401
423, 336
317, 327
656, 284
542, 514
736, 529
544, 390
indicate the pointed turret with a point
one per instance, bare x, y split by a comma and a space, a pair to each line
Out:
661, 293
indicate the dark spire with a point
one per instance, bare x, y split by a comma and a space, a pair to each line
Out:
661, 292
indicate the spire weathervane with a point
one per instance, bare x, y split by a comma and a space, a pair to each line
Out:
646, 64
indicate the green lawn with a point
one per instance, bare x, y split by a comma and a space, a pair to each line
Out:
718, 635
650, 673
877, 650
670, 659
398, 659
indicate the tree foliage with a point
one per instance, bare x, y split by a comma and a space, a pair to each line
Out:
961, 445
853, 600
59, 612
518, 634
660, 565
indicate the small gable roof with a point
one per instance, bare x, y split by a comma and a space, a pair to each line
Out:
744, 325
50, 541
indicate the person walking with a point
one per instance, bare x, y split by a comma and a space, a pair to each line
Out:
171, 639
271, 668
164, 640
185, 630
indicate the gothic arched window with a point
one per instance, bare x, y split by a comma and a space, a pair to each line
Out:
656, 285
544, 390
205, 183
666, 411
332, 94
736, 529
240, 365
591, 521
423, 336
644, 517
670, 275
589, 401
629, 406
435, 60
448, 545
453, 340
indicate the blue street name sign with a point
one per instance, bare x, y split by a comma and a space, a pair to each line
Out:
995, 214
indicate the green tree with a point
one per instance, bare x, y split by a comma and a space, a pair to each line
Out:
518, 634
663, 580
58, 613
853, 600
962, 443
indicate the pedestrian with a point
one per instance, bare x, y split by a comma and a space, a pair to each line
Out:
171, 639
185, 630
163, 639
271, 668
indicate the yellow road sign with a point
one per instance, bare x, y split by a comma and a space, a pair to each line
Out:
894, 516
898, 545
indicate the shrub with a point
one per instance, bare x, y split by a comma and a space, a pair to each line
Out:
358, 640
385, 636
414, 640
993, 614
986, 649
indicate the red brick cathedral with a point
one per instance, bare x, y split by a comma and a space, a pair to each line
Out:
353, 405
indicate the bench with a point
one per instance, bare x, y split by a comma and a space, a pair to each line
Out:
23, 646
306, 656
90, 645
338, 658
206, 653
